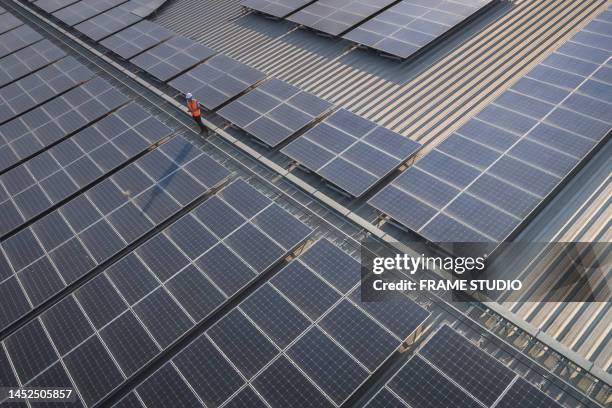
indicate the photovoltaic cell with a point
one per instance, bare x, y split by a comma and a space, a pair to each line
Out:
53, 5
84, 9
476, 371
17, 38
410, 25
171, 58
27, 60
41, 86
287, 110
361, 162
276, 8
335, 17
420, 385
8, 22
522, 394
217, 81
49, 123
136, 39
109, 22
524, 146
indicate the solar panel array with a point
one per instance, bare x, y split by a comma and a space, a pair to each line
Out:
218, 80
410, 25
337, 16
274, 111
47, 124
299, 340
51, 6
8, 22
27, 60
51, 177
484, 180
152, 296
351, 152
70, 242
451, 371
16, 39
109, 22
41, 86
172, 57
136, 39
85, 9
276, 8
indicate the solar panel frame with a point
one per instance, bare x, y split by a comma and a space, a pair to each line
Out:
137, 38
8, 21
83, 10
17, 39
285, 104
41, 86
172, 57
41, 127
541, 129
339, 164
335, 17
27, 60
411, 25
276, 8
217, 81
103, 25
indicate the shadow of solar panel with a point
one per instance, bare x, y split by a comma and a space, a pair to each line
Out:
172, 57
346, 150
337, 16
276, 8
410, 25
136, 39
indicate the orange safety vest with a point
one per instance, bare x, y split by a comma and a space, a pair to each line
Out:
193, 108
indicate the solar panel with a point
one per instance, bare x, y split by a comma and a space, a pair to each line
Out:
27, 60
523, 394
51, 6
47, 124
476, 371
276, 8
351, 152
17, 38
109, 22
147, 7
334, 17
84, 9
85, 246
8, 22
274, 111
420, 385
217, 81
74, 163
168, 290
496, 169
172, 57
410, 25
41, 86
136, 39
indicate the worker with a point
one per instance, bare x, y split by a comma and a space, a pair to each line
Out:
194, 109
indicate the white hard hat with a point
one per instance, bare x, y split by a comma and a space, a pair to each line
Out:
189, 95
